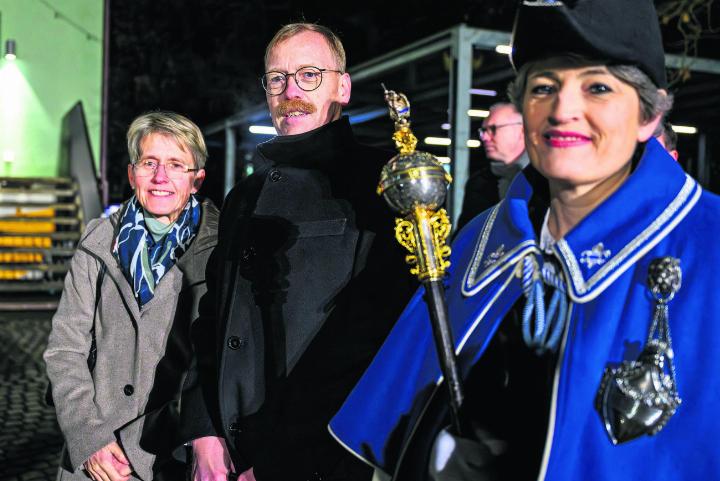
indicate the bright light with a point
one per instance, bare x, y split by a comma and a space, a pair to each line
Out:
486, 92
684, 129
10, 49
503, 49
445, 126
443, 160
20, 115
472, 143
437, 141
263, 129
478, 113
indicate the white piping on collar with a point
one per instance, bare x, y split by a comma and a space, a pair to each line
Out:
504, 263
482, 314
470, 274
581, 291
470, 284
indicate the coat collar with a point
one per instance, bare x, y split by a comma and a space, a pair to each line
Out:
323, 148
95, 241
98, 243
653, 200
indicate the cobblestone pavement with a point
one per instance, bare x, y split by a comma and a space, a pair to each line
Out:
30, 439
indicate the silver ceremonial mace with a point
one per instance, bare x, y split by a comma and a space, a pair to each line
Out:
414, 184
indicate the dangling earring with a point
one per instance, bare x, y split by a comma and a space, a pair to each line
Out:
639, 397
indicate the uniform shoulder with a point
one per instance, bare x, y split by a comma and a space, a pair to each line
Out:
710, 200
707, 211
472, 228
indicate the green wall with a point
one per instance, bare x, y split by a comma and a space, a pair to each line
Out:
57, 64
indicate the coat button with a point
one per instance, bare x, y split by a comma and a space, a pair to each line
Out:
128, 389
235, 342
247, 253
234, 428
275, 175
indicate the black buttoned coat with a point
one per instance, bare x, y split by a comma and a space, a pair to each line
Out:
305, 283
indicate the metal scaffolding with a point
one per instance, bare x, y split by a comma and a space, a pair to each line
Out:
459, 42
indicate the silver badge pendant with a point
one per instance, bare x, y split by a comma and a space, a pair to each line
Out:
639, 397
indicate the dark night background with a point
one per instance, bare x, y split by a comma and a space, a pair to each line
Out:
203, 58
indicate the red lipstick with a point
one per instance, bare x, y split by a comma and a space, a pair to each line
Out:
563, 139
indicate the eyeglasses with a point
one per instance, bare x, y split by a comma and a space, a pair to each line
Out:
492, 129
173, 169
307, 78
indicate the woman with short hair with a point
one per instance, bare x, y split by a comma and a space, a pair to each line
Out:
131, 293
583, 304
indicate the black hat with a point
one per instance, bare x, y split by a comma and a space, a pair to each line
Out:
617, 31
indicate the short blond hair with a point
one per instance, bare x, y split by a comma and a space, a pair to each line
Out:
182, 129
293, 29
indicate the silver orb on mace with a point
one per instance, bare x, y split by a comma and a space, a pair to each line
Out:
415, 185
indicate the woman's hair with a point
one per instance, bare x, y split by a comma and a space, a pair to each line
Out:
652, 100
182, 129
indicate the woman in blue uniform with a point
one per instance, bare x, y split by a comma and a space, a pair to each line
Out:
583, 304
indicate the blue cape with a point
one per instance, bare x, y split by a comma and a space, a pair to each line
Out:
658, 211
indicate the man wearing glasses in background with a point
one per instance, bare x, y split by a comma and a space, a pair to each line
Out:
303, 287
503, 138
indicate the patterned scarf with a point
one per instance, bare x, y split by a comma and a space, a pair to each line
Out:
144, 261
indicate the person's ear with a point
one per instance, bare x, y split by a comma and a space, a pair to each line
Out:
131, 176
197, 183
648, 128
344, 89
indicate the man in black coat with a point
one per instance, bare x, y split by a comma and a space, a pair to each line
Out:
304, 285
503, 139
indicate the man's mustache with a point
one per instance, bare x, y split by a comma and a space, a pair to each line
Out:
295, 105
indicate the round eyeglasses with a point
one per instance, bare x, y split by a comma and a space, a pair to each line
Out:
307, 78
173, 169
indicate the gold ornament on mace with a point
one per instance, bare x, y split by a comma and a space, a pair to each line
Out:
415, 185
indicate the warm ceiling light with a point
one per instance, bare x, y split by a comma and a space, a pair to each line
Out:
478, 113
473, 144
443, 160
263, 129
10, 50
684, 129
503, 49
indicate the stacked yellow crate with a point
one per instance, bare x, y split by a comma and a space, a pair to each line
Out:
40, 224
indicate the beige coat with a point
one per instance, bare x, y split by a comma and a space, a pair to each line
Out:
142, 354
